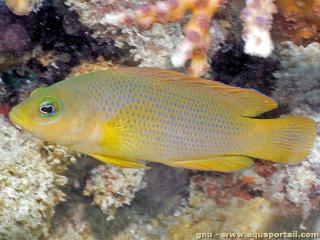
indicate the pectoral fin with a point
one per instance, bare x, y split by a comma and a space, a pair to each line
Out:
118, 161
219, 163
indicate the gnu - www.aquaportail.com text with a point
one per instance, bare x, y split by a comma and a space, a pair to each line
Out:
257, 235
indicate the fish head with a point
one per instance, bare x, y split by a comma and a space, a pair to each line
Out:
51, 114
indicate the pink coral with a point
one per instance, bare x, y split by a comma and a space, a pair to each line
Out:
257, 21
197, 39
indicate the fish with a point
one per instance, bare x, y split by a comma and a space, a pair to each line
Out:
130, 116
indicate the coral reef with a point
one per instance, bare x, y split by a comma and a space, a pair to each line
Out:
55, 42
113, 187
297, 21
78, 219
298, 84
200, 214
23, 7
197, 39
30, 183
152, 47
257, 20
73, 226
298, 89
47, 45
64, 43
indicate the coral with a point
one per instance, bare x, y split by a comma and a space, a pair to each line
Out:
113, 187
14, 37
76, 218
200, 214
58, 43
30, 183
253, 216
85, 67
151, 48
222, 189
61, 48
23, 7
257, 20
298, 84
73, 226
197, 39
154, 47
303, 185
297, 21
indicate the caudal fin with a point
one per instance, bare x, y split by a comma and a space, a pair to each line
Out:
284, 140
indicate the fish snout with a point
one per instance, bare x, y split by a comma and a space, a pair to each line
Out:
18, 119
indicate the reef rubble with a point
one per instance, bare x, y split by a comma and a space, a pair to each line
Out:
113, 187
31, 183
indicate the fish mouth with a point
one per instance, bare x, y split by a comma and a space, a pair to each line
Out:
19, 120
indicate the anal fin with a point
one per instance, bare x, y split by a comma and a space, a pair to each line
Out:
118, 161
219, 163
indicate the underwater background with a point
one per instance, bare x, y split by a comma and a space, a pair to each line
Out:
50, 192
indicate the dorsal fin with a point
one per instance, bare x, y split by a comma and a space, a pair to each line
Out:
247, 102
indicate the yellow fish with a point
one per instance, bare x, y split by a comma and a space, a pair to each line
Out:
130, 115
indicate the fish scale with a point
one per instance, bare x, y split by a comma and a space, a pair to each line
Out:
174, 123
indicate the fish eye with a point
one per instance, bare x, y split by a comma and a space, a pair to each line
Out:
49, 107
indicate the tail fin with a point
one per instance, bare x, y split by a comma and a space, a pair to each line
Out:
284, 140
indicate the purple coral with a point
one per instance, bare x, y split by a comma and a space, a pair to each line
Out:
13, 38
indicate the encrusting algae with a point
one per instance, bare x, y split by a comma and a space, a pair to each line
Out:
146, 114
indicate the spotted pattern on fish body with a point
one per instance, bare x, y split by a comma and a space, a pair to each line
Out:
173, 123
162, 116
